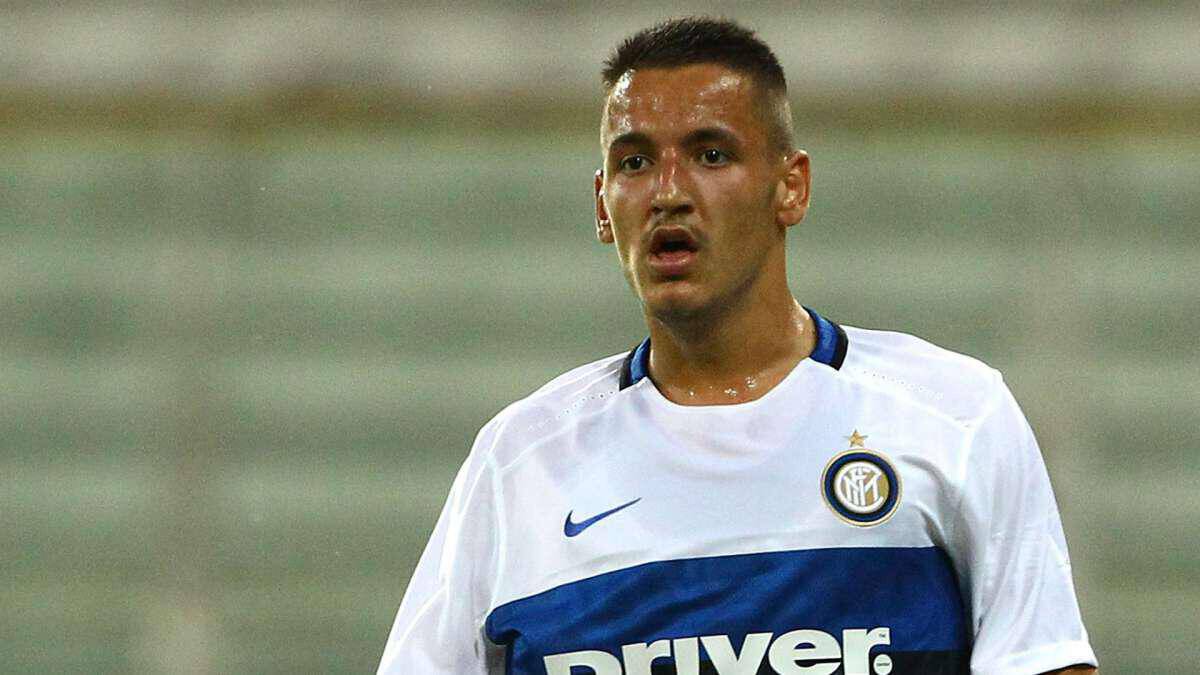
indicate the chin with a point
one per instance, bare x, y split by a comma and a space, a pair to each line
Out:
674, 302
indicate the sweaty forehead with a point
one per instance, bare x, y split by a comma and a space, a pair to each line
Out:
659, 100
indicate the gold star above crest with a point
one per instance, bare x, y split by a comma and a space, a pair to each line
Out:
856, 440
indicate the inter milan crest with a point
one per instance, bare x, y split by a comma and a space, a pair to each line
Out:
860, 485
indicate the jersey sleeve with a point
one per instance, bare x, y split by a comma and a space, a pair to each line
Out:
439, 627
1012, 553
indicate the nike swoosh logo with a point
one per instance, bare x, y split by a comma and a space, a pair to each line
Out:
571, 529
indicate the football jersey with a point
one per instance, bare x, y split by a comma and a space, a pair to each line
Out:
883, 509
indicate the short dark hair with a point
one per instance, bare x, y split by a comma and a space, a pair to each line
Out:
692, 40
701, 39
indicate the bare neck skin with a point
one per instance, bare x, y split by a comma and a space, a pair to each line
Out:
735, 351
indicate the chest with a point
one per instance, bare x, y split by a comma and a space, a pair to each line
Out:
731, 549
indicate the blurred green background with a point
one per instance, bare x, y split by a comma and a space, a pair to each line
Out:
267, 268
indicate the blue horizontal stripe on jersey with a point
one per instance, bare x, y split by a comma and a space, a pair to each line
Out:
911, 591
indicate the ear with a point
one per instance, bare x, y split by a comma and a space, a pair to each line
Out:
793, 190
603, 224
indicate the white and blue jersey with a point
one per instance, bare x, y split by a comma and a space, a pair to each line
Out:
883, 509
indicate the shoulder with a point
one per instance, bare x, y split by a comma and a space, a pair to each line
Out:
577, 394
912, 370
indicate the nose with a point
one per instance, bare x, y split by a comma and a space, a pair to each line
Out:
671, 194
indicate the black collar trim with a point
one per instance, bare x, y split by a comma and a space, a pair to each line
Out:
830, 350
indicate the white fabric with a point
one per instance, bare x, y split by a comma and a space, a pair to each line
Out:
746, 478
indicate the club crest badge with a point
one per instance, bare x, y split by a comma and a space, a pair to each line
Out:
860, 485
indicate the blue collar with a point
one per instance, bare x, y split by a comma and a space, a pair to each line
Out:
830, 350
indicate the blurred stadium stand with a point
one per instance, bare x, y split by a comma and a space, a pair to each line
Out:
268, 266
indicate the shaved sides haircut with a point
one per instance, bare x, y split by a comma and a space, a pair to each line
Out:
700, 40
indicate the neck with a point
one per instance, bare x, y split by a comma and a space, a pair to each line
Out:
730, 355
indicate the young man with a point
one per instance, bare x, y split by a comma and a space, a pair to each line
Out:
753, 489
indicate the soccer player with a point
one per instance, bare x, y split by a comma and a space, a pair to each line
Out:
753, 489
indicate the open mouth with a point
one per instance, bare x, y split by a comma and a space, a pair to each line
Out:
672, 242
672, 250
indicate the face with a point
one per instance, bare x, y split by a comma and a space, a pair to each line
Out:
693, 193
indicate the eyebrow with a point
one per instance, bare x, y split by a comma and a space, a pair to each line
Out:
631, 138
710, 135
702, 135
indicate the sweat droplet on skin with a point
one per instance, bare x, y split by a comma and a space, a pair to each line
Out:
751, 383
731, 392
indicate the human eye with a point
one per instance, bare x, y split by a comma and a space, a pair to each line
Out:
714, 157
633, 163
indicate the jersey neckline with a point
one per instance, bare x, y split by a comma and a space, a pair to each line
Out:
830, 351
